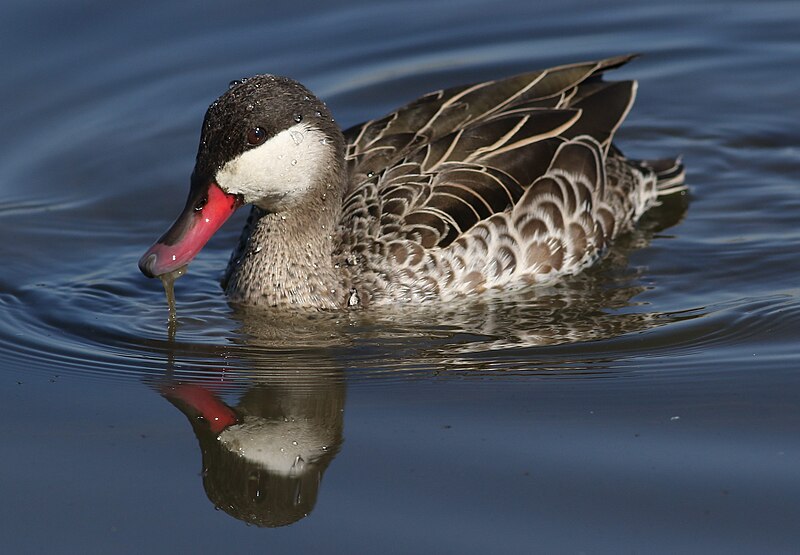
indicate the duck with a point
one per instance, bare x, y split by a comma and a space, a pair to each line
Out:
495, 185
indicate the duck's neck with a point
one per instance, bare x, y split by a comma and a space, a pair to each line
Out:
285, 258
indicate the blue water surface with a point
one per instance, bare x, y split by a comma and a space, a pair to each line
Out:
651, 404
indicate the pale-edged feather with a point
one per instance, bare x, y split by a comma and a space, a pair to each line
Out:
507, 182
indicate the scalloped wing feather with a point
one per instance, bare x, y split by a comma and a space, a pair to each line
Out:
507, 182
561, 224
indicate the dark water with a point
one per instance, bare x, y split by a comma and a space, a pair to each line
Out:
651, 404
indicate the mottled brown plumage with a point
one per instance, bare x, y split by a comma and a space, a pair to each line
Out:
507, 183
493, 185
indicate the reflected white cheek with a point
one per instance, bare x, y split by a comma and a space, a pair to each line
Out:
282, 447
278, 173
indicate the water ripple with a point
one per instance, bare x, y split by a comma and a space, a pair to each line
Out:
110, 329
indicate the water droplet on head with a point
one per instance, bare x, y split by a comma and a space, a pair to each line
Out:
237, 82
249, 107
371, 174
298, 118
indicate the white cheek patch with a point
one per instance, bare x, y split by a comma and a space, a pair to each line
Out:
278, 173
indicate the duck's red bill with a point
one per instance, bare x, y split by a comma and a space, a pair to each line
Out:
206, 210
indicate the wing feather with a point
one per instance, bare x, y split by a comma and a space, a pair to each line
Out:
440, 113
453, 162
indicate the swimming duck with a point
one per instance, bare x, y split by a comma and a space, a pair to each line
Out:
500, 184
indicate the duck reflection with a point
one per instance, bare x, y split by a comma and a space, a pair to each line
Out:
265, 456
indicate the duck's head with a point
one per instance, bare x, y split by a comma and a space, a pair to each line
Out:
267, 141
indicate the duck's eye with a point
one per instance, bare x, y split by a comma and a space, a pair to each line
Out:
256, 136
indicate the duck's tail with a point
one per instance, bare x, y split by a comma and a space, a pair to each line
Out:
670, 174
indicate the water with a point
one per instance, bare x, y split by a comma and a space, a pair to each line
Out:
651, 404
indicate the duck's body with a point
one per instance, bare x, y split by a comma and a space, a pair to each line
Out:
499, 184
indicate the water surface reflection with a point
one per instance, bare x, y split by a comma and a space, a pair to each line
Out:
264, 456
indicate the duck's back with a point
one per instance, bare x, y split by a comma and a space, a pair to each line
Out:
493, 185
